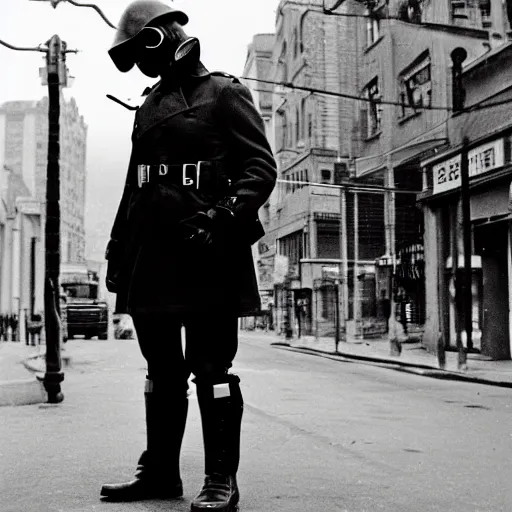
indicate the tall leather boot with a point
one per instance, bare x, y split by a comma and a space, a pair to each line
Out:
158, 469
221, 408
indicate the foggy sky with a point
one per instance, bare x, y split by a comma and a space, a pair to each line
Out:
224, 27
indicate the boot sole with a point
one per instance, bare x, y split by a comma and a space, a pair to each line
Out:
230, 508
117, 496
233, 508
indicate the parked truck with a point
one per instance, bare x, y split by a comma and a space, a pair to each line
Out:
85, 312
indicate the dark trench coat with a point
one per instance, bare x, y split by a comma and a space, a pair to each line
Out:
209, 118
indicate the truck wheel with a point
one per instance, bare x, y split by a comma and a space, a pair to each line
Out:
103, 335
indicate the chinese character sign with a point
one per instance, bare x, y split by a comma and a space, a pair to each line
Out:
447, 175
484, 158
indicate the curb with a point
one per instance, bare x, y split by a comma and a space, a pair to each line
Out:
403, 366
22, 392
28, 391
36, 363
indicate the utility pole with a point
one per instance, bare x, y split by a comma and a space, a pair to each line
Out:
467, 300
463, 297
55, 61
56, 76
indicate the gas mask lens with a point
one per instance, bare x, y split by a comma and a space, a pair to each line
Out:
151, 37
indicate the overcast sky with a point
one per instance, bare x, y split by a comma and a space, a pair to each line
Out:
224, 27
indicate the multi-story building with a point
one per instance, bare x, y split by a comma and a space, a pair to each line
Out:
24, 148
406, 78
258, 70
343, 219
314, 142
487, 129
23, 161
21, 254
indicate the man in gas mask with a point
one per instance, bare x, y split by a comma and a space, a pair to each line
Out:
180, 248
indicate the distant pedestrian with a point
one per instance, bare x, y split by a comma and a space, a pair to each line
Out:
385, 305
180, 248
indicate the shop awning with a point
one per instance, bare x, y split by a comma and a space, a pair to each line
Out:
399, 156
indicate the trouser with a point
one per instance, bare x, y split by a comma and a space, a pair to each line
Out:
211, 343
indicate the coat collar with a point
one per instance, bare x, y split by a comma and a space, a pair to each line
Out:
166, 99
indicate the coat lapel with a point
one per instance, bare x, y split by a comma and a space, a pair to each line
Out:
160, 105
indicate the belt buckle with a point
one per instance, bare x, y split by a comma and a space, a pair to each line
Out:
142, 174
187, 181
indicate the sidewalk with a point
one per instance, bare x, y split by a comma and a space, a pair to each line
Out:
414, 358
19, 385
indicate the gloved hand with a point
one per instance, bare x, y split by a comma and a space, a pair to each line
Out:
200, 228
113, 256
197, 229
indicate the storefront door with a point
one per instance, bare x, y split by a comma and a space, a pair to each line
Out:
491, 242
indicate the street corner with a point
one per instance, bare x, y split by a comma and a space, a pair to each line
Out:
37, 363
22, 392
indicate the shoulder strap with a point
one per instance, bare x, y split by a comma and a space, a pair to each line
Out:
234, 79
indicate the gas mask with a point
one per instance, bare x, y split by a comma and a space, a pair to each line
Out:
160, 50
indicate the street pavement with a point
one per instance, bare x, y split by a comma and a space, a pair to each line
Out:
318, 435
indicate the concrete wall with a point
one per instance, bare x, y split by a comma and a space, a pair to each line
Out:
401, 44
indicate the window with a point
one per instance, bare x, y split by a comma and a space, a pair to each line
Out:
284, 126
295, 43
325, 176
340, 172
485, 12
310, 127
292, 246
371, 115
303, 119
372, 29
328, 239
416, 87
282, 63
297, 125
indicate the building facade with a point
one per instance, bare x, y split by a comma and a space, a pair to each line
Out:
23, 160
314, 143
488, 132
21, 255
344, 232
24, 149
406, 80
259, 66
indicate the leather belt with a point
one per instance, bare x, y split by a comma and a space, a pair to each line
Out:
202, 175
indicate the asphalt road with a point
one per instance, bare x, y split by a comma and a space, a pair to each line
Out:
318, 435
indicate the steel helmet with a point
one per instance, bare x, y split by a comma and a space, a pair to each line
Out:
135, 17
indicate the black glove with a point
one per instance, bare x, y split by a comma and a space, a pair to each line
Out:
197, 229
113, 256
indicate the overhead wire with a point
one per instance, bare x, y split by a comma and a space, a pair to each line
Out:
348, 96
481, 105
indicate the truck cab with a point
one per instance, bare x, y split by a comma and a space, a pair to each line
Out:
85, 312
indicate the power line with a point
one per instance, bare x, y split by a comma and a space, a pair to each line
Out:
348, 96
360, 187
24, 49
471, 108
